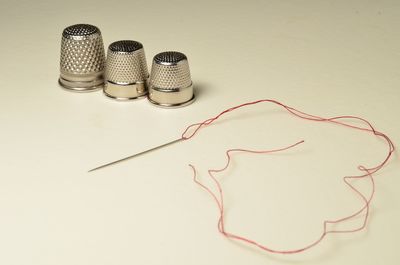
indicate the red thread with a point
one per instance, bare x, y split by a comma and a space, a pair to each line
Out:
366, 173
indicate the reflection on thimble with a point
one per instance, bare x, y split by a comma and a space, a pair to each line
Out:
170, 82
126, 70
82, 58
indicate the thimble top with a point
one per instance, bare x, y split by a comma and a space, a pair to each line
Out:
80, 31
125, 46
169, 58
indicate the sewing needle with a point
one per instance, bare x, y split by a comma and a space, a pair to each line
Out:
138, 154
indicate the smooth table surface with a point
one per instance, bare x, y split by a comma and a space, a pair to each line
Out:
327, 58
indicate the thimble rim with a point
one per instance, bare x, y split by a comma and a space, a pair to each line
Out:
171, 105
127, 91
78, 87
171, 98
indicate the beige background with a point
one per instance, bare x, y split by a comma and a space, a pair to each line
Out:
324, 57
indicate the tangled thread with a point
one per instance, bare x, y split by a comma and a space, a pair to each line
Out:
193, 129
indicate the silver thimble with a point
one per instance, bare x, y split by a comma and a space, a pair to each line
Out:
170, 83
126, 70
82, 58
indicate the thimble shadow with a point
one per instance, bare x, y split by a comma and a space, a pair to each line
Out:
201, 89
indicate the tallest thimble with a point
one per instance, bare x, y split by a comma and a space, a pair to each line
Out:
82, 58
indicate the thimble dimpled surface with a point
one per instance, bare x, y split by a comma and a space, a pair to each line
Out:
126, 70
170, 81
82, 58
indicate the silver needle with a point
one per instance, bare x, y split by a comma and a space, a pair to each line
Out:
138, 154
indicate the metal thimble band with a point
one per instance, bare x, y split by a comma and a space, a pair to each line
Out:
126, 70
82, 58
170, 83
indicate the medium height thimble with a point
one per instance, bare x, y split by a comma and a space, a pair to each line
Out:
82, 58
126, 70
170, 82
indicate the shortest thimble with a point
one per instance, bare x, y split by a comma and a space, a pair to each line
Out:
82, 58
126, 70
170, 83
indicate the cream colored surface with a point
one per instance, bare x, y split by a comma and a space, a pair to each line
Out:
324, 57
